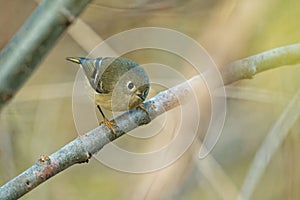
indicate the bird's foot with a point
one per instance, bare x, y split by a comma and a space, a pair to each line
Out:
108, 124
142, 108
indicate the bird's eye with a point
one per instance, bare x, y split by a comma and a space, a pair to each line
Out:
130, 85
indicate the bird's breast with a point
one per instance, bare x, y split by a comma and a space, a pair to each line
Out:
104, 100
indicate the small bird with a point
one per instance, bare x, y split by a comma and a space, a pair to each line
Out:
119, 83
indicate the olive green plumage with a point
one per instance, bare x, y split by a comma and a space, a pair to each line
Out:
119, 83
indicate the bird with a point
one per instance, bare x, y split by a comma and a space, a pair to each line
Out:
118, 83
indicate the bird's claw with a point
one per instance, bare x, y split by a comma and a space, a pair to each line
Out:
142, 108
109, 125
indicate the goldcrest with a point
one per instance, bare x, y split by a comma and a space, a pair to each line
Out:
119, 83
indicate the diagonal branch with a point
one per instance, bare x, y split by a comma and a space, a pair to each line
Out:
82, 148
36, 37
22, 55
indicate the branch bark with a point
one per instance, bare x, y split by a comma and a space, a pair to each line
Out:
82, 148
246, 68
35, 38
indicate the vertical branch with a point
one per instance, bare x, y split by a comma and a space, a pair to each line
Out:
34, 39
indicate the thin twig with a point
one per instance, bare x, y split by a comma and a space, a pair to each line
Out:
271, 143
246, 68
255, 95
217, 178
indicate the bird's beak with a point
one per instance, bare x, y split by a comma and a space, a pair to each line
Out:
74, 60
141, 96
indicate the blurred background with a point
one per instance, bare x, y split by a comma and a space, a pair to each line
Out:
39, 120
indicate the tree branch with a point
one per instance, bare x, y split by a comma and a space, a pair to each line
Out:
248, 67
82, 148
34, 39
